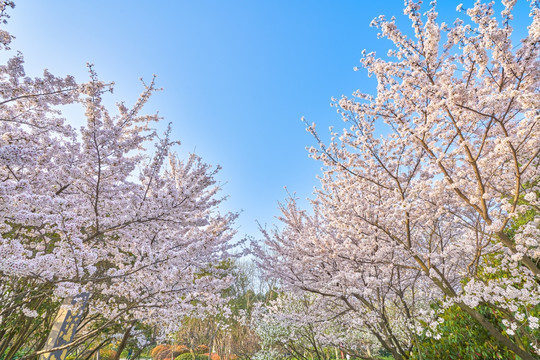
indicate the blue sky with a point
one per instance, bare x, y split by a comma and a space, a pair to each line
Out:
237, 75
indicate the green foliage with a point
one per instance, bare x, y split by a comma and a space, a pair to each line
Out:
462, 338
184, 356
17, 355
188, 356
385, 354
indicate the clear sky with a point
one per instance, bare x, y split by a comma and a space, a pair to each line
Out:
238, 75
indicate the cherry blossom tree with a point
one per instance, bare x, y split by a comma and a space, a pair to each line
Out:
376, 298
299, 326
430, 210
94, 211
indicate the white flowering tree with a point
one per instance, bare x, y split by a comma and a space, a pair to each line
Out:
299, 326
432, 210
378, 299
93, 211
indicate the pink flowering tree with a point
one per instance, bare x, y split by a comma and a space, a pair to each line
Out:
432, 210
107, 210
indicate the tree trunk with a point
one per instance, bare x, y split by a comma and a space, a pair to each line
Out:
5, 342
493, 331
19, 342
96, 349
124, 341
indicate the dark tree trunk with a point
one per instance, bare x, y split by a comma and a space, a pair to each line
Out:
124, 341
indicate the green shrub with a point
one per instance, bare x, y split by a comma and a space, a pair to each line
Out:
188, 356
184, 356
462, 338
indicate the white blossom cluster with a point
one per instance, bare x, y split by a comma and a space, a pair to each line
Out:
95, 210
443, 206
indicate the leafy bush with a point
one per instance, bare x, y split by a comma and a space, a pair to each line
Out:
188, 356
184, 356
461, 337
